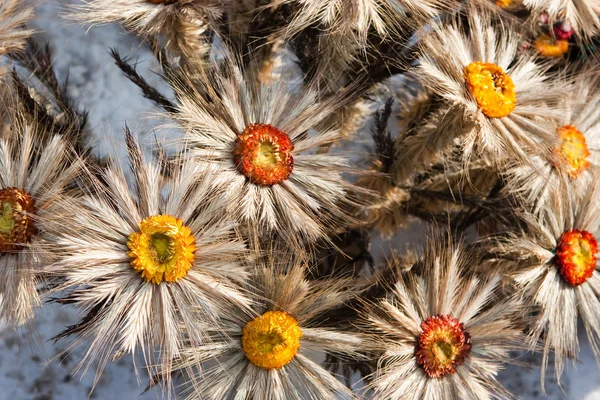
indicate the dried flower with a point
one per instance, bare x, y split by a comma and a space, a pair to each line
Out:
262, 139
582, 18
444, 334
32, 174
138, 262
263, 351
554, 262
563, 170
498, 94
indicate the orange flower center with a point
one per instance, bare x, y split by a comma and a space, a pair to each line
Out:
16, 224
163, 249
271, 340
504, 3
264, 154
492, 88
576, 256
443, 345
572, 151
549, 47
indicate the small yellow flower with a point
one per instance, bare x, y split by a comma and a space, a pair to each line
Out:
492, 88
163, 249
504, 3
271, 340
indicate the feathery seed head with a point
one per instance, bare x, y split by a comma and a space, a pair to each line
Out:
572, 150
576, 256
16, 225
263, 154
163, 249
443, 345
492, 88
549, 47
271, 340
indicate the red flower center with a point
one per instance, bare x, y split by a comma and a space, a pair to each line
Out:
443, 345
263, 154
16, 226
576, 256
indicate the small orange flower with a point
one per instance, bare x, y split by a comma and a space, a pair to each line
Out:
504, 3
572, 151
16, 225
548, 47
263, 154
443, 345
492, 88
576, 256
163, 249
271, 340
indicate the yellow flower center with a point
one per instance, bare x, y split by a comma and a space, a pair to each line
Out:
163, 249
549, 47
271, 340
504, 3
16, 225
572, 151
492, 88
576, 256
443, 345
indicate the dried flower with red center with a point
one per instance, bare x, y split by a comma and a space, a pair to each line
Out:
492, 88
16, 225
576, 256
264, 154
443, 345
572, 151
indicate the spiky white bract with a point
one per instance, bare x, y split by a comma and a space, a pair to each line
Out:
13, 14
506, 128
582, 16
41, 170
445, 289
356, 18
127, 312
281, 288
566, 169
145, 16
312, 198
531, 258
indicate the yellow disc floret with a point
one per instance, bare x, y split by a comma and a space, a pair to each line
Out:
16, 224
271, 340
550, 47
504, 3
492, 88
572, 151
163, 249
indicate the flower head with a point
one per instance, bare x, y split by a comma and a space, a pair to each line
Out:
266, 348
148, 257
581, 19
442, 332
564, 167
495, 93
554, 263
263, 143
34, 170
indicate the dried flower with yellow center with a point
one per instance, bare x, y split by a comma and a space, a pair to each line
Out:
572, 151
271, 340
576, 256
492, 88
549, 47
264, 154
163, 249
443, 345
16, 224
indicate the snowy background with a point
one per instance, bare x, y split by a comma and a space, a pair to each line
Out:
97, 85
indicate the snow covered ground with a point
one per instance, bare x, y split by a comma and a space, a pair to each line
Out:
98, 86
